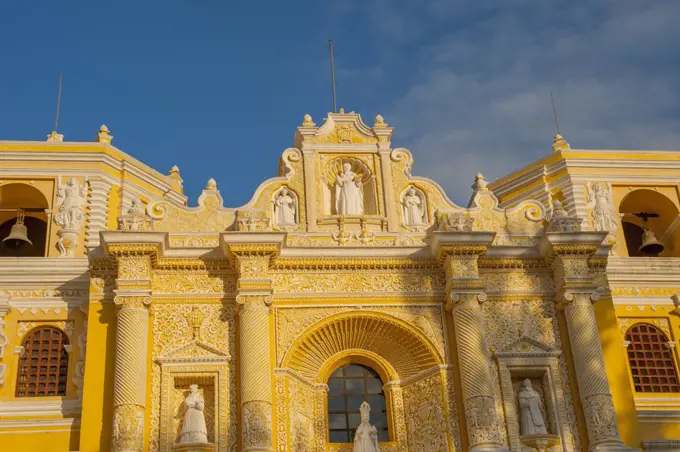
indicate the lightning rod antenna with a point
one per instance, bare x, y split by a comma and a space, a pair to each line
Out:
56, 121
330, 51
557, 122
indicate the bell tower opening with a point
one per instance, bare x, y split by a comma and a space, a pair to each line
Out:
23, 221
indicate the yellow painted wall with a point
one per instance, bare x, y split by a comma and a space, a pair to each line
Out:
51, 439
98, 390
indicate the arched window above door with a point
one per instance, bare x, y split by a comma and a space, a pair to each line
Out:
348, 387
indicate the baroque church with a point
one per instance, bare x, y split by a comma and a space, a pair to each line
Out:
350, 305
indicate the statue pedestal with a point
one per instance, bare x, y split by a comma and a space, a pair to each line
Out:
209, 447
540, 443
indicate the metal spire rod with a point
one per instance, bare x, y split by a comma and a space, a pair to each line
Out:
557, 122
56, 121
330, 50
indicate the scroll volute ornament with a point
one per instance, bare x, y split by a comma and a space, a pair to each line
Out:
132, 301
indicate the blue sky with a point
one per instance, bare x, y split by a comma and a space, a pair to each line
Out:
218, 87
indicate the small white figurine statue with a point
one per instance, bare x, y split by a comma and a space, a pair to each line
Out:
366, 436
530, 410
600, 198
414, 208
285, 208
349, 199
194, 430
71, 197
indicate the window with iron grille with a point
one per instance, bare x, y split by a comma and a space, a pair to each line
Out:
651, 360
43, 367
348, 387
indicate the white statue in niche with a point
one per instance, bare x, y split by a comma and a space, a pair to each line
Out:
530, 411
366, 436
71, 198
194, 430
414, 207
349, 196
600, 200
285, 208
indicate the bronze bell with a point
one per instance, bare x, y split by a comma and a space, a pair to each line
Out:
18, 235
650, 245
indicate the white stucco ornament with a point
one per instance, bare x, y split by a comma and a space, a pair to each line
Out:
530, 410
194, 430
71, 198
366, 436
603, 212
285, 208
414, 207
349, 197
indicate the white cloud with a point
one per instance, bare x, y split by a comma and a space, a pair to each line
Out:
479, 99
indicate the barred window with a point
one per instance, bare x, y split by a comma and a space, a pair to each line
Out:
651, 361
44, 365
348, 387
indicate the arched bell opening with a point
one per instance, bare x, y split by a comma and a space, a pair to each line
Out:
23, 221
650, 223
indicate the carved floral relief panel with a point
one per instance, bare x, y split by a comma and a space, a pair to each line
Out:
505, 322
171, 330
424, 416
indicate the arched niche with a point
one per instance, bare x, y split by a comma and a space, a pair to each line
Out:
368, 185
415, 382
415, 213
665, 227
14, 196
285, 209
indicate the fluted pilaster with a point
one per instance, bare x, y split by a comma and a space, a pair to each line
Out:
576, 258
478, 396
129, 391
255, 359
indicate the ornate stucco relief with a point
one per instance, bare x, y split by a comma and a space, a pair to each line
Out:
172, 330
392, 281
505, 322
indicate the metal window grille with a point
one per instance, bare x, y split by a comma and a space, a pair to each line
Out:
43, 367
651, 361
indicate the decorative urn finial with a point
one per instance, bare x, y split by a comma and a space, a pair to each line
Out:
379, 121
211, 185
480, 184
103, 136
307, 120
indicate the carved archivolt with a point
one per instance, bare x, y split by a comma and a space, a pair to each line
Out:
659, 322
407, 350
291, 323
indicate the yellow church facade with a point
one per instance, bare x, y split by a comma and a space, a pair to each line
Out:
542, 316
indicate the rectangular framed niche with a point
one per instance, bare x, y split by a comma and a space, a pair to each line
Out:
539, 363
212, 381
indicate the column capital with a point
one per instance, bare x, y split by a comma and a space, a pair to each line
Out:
132, 299
254, 301
568, 299
465, 299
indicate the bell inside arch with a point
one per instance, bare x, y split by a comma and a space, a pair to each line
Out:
18, 235
650, 245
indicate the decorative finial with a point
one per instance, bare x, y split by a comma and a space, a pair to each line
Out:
342, 111
104, 136
559, 210
560, 144
174, 170
211, 185
55, 137
480, 184
379, 120
307, 120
